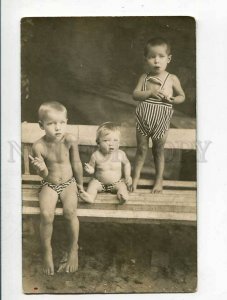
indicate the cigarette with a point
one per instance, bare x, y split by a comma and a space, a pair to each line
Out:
31, 158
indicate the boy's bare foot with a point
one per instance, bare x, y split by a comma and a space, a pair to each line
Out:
84, 196
157, 188
48, 265
133, 187
72, 263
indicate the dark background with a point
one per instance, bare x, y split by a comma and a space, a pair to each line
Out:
76, 60
92, 65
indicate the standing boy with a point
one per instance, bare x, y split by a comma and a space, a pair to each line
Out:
156, 93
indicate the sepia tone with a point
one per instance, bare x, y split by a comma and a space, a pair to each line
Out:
92, 65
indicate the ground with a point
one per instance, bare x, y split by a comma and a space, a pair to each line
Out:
115, 258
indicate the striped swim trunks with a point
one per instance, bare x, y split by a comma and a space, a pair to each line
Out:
152, 116
110, 187
58, 188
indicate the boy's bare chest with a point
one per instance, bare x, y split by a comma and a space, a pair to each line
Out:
57, 153
168, 86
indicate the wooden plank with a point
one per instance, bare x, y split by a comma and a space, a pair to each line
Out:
31, 132
26, 159
30, 178
177, 138
180, 139
30, 190
180, 208
119, 214
164, 199
87, 136
169, 183
142, 182
142, 203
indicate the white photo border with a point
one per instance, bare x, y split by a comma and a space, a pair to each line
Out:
211, 23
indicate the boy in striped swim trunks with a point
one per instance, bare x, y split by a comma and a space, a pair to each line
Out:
56, 159
156, 92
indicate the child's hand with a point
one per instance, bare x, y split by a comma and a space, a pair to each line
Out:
154, 90
38, 163
80, 188
89, 169
165, 96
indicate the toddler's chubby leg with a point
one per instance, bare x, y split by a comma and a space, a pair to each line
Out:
141, 152
122, 192
94, 187
47, 200
69, 200
159, 160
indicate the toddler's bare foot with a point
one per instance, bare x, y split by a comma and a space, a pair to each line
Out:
122, 198
157, 188
48, 265
86, 197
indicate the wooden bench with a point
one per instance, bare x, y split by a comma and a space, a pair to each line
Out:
177, 203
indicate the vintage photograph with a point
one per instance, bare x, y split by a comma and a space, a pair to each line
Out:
108, 127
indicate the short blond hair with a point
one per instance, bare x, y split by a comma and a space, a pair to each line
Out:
105, 129
47, 106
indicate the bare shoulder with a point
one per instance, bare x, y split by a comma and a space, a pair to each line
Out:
174, 78
96, 154
39, 143
121, 155
70, 138
39, 146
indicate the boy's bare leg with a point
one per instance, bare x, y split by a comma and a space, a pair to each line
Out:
122, 192
94, 187
69, 200
141, 152
47, 200
159, 161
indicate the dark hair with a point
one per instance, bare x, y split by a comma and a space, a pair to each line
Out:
47, 106
157, 41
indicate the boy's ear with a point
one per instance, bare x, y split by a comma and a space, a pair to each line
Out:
169, 58
41, 125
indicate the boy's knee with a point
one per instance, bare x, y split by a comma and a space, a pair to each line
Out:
142, 149
158, 147
47, 217
69, 213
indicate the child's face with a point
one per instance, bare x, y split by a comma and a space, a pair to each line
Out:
158, 58
54, 124
109, 142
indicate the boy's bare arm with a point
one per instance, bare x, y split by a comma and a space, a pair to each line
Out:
75, 161
178, 91
139, 95
38, 161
